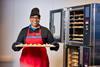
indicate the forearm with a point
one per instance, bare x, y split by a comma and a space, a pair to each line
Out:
20, 40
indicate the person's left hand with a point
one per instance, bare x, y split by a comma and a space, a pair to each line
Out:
56, 46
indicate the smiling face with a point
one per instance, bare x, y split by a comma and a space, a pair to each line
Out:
35, 20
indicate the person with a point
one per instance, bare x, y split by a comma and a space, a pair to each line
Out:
34, 34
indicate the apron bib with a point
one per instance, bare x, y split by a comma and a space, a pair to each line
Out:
34, 56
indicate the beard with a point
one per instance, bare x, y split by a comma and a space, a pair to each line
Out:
35, 22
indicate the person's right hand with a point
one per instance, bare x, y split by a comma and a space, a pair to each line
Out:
16, 48
17, 43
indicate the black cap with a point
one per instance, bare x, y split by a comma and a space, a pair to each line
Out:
35, 11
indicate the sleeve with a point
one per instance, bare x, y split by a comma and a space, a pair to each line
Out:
20, 40
50, 37
51, 40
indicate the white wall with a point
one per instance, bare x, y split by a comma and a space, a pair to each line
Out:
15, 15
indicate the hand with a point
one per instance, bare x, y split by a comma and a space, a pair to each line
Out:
16, 48
56, 46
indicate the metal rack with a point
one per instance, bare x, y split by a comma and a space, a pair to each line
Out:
80, 29
83, 24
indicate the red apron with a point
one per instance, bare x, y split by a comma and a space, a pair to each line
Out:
34, 56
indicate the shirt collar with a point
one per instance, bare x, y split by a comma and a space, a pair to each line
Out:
33, 28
